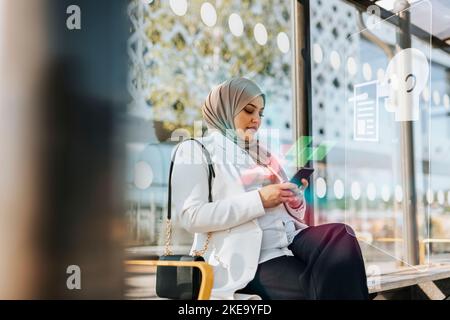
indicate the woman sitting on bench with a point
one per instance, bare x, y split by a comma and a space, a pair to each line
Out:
257, 241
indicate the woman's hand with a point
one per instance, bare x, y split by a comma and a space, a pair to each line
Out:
296, 202
305, 184
274, 194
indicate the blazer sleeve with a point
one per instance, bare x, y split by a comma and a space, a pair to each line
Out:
190, 196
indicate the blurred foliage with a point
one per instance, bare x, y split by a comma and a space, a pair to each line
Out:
176, 60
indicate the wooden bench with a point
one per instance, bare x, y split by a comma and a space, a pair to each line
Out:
421, 282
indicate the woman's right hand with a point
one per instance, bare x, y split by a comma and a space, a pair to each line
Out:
274, 194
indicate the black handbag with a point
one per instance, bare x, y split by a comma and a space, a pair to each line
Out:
181, 283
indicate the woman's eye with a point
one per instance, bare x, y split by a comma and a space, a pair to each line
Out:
249, 111
261, 115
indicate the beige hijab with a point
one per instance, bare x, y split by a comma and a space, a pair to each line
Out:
223, 103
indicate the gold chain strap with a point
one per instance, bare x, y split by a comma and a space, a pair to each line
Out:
205, 246
168, 251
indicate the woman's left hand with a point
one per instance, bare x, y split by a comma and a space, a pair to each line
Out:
299, 190
296, 201
305, 184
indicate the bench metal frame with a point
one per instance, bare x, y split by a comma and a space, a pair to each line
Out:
205, 269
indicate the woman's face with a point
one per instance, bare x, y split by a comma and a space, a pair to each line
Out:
248, 121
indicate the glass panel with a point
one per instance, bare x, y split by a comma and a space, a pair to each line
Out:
178, 51
385, 112
360, 182
437, 247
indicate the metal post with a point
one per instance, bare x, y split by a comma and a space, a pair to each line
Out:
409, 204
301, 75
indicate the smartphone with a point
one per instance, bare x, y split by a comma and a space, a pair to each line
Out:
303, 173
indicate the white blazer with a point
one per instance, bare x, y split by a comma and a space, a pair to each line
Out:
235, 244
